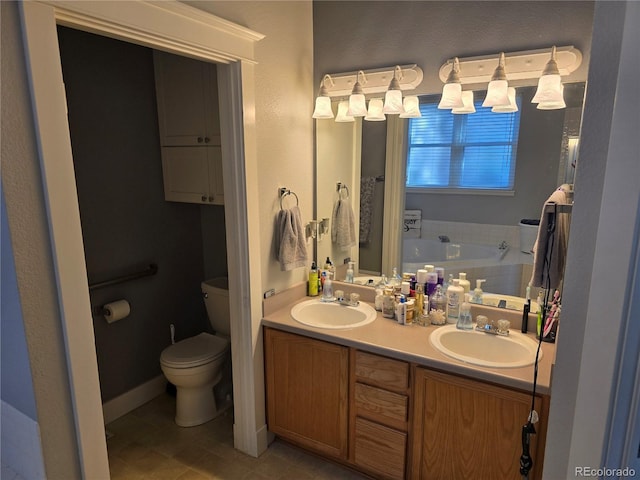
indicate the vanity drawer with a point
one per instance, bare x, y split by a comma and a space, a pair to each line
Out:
381, 371
380, 450
382, 406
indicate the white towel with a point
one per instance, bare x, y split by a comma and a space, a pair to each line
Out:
550, 249
343, 231
291, 243
367, 190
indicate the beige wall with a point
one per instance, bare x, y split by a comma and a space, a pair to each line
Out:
284, 104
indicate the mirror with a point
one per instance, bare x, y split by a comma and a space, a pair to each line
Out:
357, 155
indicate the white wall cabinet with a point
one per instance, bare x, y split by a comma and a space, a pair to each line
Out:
189, 123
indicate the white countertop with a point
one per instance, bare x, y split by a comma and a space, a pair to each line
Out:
411, 343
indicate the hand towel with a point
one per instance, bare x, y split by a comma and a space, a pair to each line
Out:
343, 232
367, 190
550, 249
291, 243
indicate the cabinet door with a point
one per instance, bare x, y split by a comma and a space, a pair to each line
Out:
186, 174
468, 429
186, 92
307, 386
216, 184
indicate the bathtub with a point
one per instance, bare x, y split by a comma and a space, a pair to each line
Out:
417, 252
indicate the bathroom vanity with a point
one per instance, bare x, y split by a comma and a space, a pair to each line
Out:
382, 400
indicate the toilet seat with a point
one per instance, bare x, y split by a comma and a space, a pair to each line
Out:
194, 351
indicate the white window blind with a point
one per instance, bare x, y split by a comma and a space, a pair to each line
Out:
462, 152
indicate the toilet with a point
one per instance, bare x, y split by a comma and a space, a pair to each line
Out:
196, 364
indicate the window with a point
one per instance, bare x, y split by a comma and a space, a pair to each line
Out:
462, 153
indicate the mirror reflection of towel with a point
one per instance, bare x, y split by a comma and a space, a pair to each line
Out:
291, 242
550, 249
367, 190
343, 232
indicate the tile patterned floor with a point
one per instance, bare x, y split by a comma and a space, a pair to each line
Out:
146, 444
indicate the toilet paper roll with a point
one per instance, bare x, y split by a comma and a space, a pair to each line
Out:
117, 310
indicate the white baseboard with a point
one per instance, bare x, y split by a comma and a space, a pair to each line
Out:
21, 445
125, 403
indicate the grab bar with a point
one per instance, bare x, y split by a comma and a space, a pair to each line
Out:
152, 270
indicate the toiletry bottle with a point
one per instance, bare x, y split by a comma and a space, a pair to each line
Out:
432, 282
405, 288
395, 281
349, 277
455, 294
464, 283
401, 311
419, 301
448, 283
429, 268
477, 293
313, 280
540, 315
379, 298
411, 311
465, 322
327, 289
440, 272
438, 307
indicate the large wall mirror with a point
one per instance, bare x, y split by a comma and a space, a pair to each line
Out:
364, 156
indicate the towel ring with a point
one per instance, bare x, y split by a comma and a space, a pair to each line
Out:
284, 192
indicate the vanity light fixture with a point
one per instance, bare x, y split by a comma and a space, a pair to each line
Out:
357, 104
323, 101
467, 103
554, 105
550, 88
393, 96
375, 113
497, 91
452, 90
511, 107
343, 116
411, 107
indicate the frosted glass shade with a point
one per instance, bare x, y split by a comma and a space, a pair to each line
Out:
549, 90
343, 116
411, 106
467, 101
497, 93
375, 114
323, 108
393, 102
512, 107
451, 96
357, 105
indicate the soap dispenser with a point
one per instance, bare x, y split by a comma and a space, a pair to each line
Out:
465, 321
477, 293
349, 277
464, 283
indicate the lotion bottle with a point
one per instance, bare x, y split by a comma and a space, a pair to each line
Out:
464, 283
455, 295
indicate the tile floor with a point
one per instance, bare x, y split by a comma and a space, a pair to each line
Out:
147, 444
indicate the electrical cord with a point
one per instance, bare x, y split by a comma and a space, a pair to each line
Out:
526, 462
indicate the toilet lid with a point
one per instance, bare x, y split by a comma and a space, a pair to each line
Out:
194, 351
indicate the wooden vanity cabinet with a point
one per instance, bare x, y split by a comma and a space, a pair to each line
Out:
464, 428
379, 418
307, 392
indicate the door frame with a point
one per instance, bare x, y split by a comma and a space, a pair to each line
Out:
183, 30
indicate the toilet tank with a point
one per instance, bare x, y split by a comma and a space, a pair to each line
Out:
216, 298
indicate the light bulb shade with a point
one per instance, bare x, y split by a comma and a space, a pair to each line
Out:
512, 107
554, 104
467, 101
497, 94
451, 96
393, 102
323, 108
549, 90
411, 106
357, 105
375, 114
343, 116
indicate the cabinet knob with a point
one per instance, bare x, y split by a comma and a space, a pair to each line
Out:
204, 198
207, 139
211, 199
200, 139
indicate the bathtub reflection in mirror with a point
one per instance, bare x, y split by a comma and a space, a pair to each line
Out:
477, 223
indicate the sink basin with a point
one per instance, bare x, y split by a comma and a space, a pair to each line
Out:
317, 313
486, 350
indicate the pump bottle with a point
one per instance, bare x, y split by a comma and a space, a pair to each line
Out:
349, 276
464, 283
455, 295
477, 293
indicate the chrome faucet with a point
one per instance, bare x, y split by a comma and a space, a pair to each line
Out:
444, 238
